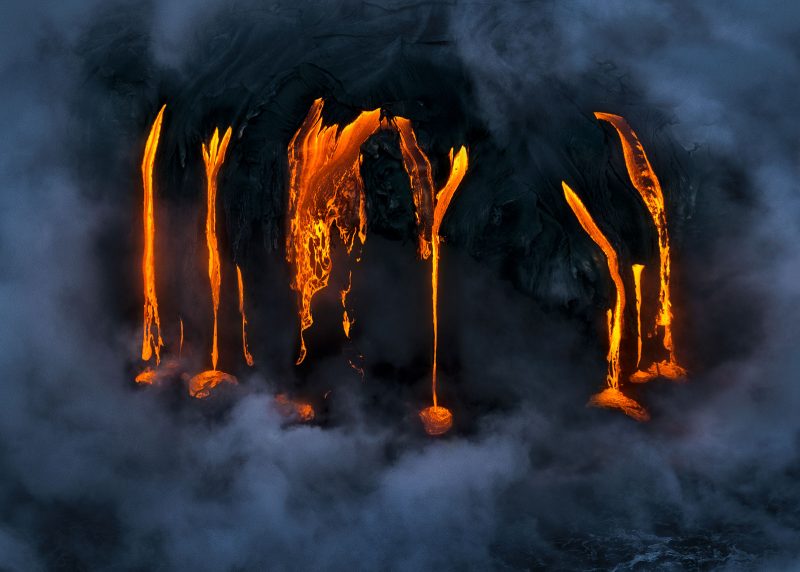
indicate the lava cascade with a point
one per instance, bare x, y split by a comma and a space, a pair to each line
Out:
213, 157
436, 419
151, 342
646, 183
325, 191
248, 357
611, 397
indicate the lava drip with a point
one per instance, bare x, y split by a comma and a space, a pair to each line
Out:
610, 397
151, 342
325, 190
248, 357
646, 183
637, 287
200, 385
436, 419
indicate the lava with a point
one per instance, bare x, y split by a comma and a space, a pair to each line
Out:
436, 419
151, 342
646, 183
213, 156
325, 190
248, 357
611, 397
299, 410
347, 322
419, 171
637, 287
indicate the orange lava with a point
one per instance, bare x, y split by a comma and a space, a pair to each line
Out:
299, 410
612, 398
247, 355
646, 183
151, 342
616, 314
418, 167
213, 157
200, 385
458, 168
347, 322
430, 209
325, 190
436, 420
147, 377
637, 286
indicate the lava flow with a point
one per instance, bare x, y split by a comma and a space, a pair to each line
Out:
325, 190
151, 342
637, 286
646, 183
611, 396
436, 419
248, 357
214, 155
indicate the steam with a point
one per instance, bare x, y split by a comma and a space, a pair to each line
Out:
98, 474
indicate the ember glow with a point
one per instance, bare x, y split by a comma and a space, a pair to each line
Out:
213, 157
646, 183
248, 357
325, 191
294, 409
151, 341
611, 397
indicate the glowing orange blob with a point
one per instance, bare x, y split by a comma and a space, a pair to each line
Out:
436, 420
325, 191
247, 355
611, 397
637, 286
151, 341
200, 385
646, 183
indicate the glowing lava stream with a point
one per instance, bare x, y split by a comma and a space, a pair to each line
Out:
200, 385
151, 343
437, 420
325, 190
611, 396
248, 357
646, 183
637, 286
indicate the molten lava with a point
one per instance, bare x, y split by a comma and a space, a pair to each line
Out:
420, 176
438, 420
299, 410
151, 342
612, 396
325, 190
347, 322
247, 355
646, 183
637, 286
201, 384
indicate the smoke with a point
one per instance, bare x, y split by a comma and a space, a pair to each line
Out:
99, 474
